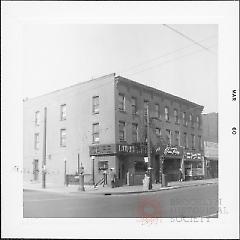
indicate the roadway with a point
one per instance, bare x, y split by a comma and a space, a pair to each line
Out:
195, 201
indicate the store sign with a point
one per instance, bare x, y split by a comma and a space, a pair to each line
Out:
172, 151
112, 149
103, 149
193, 156
136, 149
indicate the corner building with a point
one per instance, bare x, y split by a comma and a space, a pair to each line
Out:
101, 124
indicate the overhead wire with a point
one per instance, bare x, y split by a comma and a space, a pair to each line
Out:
190, 39
164, 55
162, 63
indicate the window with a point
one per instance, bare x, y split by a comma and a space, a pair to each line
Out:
102, 165
199, 143
177, 138
198, 122
168, 136
158, 132
157, 111
134, 132
36, 141
95, 132
175, 112
134, 105
193, 141
185, 141
121, 102
37, 118
122, 131
184, 119
166, 111
95, 102
63, 136
63, 112
191, 120
140, 166
145, 106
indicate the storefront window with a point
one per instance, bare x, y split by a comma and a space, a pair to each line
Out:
140, 167
102, 165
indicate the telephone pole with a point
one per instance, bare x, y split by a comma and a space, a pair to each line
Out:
149, 148
44, 149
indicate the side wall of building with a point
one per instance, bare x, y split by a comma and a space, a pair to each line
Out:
78, 124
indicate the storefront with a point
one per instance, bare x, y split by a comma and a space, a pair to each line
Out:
126, 160
172, 162
193, 165
211, 159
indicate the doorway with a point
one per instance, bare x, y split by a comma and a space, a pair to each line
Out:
35, 170
123, 171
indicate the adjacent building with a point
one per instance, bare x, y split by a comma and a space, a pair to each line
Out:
210, 138
102, 124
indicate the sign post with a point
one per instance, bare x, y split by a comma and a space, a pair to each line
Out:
149, 149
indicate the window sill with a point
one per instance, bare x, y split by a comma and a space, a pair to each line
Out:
94, 113
95, 142
63, 119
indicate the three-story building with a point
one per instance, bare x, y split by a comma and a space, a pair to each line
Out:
101, 124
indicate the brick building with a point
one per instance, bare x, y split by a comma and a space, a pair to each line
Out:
101, 124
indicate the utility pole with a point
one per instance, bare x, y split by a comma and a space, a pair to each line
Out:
44, 149
149, 148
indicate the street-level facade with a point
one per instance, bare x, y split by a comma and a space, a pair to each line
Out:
101, 124
210, 139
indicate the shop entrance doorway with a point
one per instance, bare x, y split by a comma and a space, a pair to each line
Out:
123, 168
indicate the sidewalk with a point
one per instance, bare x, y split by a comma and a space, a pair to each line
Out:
115, 191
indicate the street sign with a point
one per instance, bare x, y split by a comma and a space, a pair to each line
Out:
145, 159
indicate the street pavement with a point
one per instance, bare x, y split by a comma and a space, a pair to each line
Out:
190, 201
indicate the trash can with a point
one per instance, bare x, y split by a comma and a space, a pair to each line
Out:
164, 180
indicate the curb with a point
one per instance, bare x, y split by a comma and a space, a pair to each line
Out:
119, 193
154, 190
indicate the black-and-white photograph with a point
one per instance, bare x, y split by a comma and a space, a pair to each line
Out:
119, 121
114, 142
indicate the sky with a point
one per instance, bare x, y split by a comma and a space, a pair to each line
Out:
55, 56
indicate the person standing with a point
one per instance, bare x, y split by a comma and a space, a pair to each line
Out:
180, 175
104, 178
112, 177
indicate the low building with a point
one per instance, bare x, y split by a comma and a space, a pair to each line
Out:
210, 138
211, 159
102, 124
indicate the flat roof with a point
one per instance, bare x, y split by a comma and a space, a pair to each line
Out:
157, 91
